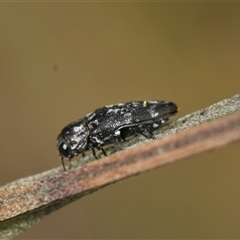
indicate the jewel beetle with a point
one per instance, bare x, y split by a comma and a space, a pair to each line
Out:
112, 124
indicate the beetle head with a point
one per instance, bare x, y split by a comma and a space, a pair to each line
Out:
72, 140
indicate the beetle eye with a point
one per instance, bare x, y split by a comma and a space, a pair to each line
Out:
64, 150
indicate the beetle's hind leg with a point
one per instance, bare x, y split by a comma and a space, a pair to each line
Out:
146, 134
146, 131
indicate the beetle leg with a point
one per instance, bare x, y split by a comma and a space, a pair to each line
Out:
94, 153
63, 164
102, 149
147, 135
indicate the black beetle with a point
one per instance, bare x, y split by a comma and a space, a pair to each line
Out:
112, 124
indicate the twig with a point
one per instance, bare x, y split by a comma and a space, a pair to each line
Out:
26, 201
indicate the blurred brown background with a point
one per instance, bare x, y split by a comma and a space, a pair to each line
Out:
60, 61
